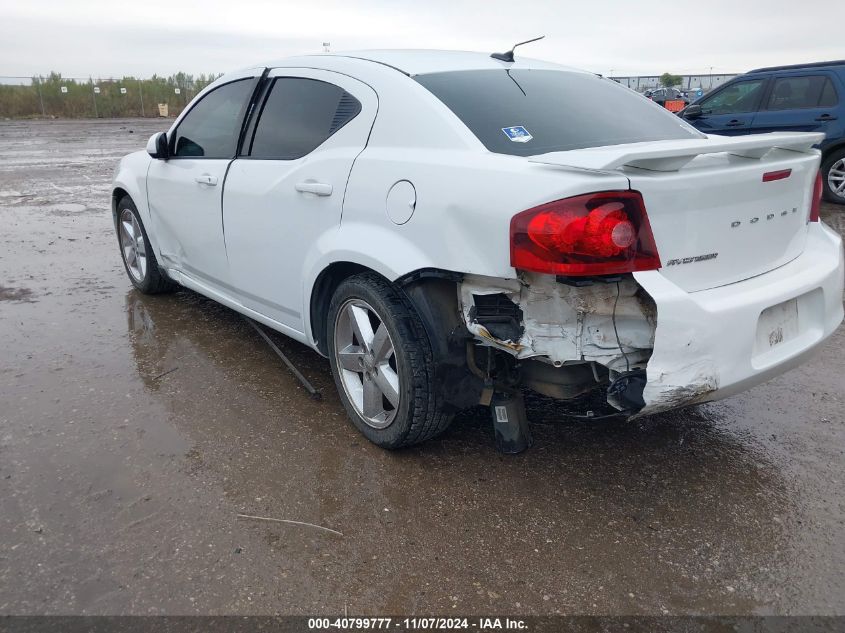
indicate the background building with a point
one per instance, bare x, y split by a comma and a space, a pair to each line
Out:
690, 82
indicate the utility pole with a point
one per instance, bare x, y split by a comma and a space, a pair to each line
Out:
94, 97
40, 98
141, 97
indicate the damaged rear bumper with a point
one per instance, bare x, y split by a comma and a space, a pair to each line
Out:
714, 343
693, 346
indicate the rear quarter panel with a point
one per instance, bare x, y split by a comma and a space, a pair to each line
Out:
465, 195
464, 203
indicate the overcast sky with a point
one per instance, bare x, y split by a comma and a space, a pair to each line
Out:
141, 37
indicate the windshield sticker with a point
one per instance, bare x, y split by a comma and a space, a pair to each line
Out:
517, 134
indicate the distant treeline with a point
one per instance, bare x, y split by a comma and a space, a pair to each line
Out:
55, 96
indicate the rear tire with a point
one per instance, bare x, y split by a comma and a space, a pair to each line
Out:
833, 177
139, 260
382, 363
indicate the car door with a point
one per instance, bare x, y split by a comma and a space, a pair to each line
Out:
731, 109
798, 102
286, 189
184, 191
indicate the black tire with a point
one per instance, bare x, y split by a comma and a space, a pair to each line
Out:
827, 163
153, 281
418, 415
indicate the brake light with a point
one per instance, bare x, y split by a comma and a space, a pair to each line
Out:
605, 233
816, 202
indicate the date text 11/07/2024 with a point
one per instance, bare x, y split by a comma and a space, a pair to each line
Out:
417, 624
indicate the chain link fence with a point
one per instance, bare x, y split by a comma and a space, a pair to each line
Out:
55, 96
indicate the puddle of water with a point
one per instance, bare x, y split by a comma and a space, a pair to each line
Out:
16, 294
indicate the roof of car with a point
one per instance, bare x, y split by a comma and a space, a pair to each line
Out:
840, 62
418, 62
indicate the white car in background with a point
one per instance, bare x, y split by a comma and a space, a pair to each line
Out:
443, 225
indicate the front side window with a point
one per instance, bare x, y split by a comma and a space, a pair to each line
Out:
525, 112
793, 93
742, 96
212, 127
299, 115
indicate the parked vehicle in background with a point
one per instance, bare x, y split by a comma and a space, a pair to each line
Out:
801, 98
445, 226
662, 95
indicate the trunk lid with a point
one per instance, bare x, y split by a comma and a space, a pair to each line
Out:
716, 220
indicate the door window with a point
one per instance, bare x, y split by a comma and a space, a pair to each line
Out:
828, 98
742, 96
212, 127
299, 115
794, 93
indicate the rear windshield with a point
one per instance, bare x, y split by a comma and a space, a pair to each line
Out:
525, 112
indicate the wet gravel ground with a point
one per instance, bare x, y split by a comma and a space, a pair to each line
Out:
134, 429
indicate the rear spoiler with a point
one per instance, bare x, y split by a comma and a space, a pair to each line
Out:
672, 155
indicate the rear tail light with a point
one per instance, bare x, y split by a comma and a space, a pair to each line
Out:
816, 202
604, 233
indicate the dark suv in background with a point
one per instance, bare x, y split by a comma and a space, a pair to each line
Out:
662, 95
800, 98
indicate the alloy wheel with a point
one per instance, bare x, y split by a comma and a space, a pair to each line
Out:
133, 245
366, 362
836, 178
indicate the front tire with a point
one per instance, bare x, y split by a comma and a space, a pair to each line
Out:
137, 253
833, 177
382, 363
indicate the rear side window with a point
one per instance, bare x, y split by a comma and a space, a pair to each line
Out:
794, 93
299, 115
742, 96
212, 127
525, 112
828, 97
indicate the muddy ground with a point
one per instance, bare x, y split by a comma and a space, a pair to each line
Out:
134, 429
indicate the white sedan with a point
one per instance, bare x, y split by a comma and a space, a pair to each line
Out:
444, 226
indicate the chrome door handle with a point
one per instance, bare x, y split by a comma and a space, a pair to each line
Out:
206, 179
317, 188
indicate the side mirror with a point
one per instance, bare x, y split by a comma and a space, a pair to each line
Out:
157, 146
692, 112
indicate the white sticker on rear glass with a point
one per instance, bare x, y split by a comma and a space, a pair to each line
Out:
517, 134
